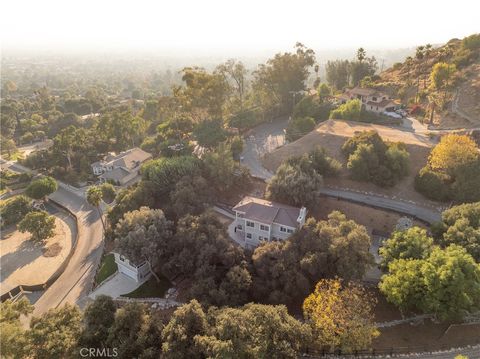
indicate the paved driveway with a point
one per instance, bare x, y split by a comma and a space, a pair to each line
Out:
116, 286
265, 138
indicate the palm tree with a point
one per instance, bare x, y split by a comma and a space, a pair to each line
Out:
94, 197
361, 54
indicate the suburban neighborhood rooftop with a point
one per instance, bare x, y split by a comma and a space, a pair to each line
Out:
265, 211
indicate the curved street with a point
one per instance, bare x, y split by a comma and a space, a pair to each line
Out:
266, 137
76, 281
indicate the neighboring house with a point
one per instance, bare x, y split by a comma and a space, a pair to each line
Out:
259, 220
372, 100
138, 273
120, 168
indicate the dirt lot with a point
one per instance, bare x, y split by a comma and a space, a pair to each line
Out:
372, 218
29, 263
428, 336
332, 134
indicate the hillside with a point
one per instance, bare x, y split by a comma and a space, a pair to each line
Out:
456, 101
332, 134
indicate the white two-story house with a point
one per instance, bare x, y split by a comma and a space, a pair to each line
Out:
372, 100
259, 220
120, 168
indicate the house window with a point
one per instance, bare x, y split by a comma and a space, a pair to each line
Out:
289, 230
264, 227
260, 238
249, 235
250, 224
283, 229
239, 226
122, 258
374, 99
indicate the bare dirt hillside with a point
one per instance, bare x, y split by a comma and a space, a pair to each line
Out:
333, 133
458, 106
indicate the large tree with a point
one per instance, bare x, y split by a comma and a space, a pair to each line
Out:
254, 331
41, 188
94, 198
337, 73
452, 152
98, 317
204, 93
461, 225
186, 323
294, 185
54, 334
287, 270
452, 171
134, 333
235, 74
341, 315
446, 284
202, 251
277, 81
209, 133
221, 170
40, 225
13, 340
143, 235
164, 172
15, 209
413, 243
190, 196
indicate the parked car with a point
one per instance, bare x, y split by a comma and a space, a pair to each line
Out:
392, 114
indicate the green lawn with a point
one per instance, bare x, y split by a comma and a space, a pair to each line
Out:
151, 289
107, 268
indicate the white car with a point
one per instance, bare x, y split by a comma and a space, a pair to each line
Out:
392, 114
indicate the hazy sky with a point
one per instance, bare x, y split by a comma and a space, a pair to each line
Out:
233, 26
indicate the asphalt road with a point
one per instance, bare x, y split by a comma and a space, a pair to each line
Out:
425, 214
76, 281
265, 138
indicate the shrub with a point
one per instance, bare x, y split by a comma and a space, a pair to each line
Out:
433, 185
471, 42
351, 110
298, 127
15, 209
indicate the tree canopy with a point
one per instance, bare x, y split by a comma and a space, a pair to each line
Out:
40, 225
413, 243
41, 188
287, 270
452, 171
371, 159
341, 316
446, 283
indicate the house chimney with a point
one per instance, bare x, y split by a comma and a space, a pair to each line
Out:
301, 216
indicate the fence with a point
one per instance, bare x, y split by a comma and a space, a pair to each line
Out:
406, 352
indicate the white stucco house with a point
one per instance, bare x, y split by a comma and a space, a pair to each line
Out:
259, 220
138, 272
120, 168
372, 100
